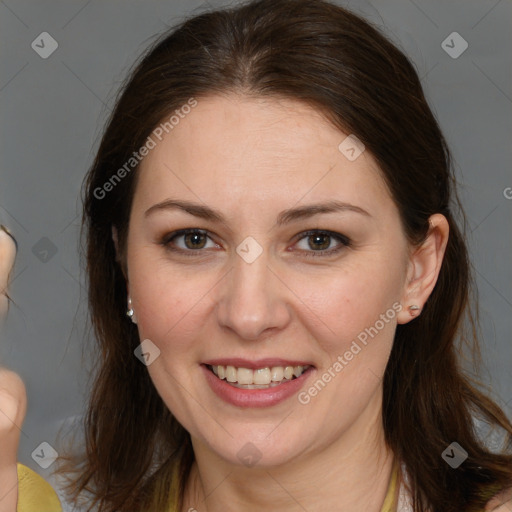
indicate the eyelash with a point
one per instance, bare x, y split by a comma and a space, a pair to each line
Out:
344, 242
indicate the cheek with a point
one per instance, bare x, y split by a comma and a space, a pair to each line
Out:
346, 303
169, 305
352, 321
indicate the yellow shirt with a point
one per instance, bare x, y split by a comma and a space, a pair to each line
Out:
35, 494
390, 501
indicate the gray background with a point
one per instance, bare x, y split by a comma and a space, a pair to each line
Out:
52, 115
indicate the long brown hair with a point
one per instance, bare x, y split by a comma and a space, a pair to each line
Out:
326, 56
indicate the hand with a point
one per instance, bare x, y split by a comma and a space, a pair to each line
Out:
7, 256
13, 397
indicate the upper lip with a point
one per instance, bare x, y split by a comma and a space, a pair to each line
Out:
254, 364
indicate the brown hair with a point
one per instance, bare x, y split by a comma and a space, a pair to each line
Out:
328, 57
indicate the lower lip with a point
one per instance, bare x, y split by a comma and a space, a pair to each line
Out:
254, 397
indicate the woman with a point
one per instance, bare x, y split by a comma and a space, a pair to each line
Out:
277, 281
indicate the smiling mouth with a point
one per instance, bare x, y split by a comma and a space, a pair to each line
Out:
260, 378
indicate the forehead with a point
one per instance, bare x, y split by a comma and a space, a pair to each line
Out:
238, 151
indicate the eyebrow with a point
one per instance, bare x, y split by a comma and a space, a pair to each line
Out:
285, 217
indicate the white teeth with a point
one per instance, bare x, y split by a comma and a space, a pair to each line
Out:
245, 376
277, 373
260, 378
255, 386
231, 373
297, 370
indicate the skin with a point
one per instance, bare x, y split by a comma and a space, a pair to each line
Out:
250, 159
7, 257
13, 397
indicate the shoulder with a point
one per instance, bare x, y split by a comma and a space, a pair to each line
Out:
502, 502
35, 493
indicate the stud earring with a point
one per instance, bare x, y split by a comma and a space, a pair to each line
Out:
131, 313
412, 308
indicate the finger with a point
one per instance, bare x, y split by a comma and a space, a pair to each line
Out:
13, 406
7, 256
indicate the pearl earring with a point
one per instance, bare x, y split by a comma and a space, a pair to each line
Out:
413, 308
131, 313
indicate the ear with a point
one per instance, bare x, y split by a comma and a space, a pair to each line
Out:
424, 266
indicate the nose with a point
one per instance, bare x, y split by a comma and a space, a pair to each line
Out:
253, 301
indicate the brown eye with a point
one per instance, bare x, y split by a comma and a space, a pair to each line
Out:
319, 242
195, 240
187, 241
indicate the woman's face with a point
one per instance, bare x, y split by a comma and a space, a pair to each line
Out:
255, 291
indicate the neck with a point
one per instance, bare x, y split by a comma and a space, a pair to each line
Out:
351, 473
